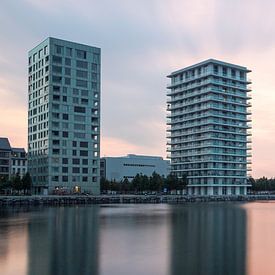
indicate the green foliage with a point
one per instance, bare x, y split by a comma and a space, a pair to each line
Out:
262, 184
26, 182
16, 183
143, 183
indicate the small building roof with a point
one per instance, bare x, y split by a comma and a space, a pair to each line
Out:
4, 144
19, 150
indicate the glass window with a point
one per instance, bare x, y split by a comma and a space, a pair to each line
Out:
78, 109
83, 74
67, 71
67, 61
81, 64
82, 83
81, 54
69, 51
57, 59
58, 49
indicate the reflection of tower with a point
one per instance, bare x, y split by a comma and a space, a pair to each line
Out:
64, 241
208, 239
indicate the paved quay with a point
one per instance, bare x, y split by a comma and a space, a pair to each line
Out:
108, 199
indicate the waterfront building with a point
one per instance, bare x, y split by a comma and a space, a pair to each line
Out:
19, 162
5, 159
208, 127
64, 117
127, 167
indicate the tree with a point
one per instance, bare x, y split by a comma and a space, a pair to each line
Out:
155, 182
104, 184
26, 182
16, 182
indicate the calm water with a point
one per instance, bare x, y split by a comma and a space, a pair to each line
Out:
203, 238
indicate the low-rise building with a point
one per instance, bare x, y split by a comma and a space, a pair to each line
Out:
18, 161
5, 159
12, 160
127, 167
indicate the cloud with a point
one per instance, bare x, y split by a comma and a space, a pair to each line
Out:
143, 41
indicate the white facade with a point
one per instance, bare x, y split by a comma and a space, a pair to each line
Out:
209, 127
120, 168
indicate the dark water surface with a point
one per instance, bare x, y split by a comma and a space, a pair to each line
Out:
195, 238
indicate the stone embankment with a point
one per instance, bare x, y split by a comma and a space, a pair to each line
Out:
108, 199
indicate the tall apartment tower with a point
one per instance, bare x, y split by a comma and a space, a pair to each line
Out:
208, 127
64, 117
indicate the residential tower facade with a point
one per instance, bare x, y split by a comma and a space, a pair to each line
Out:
64, 117
209, 127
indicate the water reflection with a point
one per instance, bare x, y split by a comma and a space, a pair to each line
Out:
208, 239
134, 239
66, 242
196, 238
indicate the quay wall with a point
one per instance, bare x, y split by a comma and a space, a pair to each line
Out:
118, 199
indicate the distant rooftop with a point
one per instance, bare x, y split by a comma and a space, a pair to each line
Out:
4, 144
19, 150
137, 157
211, 60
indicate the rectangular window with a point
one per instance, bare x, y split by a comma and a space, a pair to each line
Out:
75, 91
56, 97
67, 71
58, 49
64, 169
82, 83
65, 116
83, 74
96, 58
83, 144
94, 67
85, 161
56, 142
65, 134
56, 79
55, 115
84, 101
78, 109
76, 100
76, 170
79, 118
57, 59
81, 54
65, 161
94, 76
57, 69
69, 51
84, 93
79, 135
76, 161
67, 61
55, 151
78, 126
81, 64
67, 81
83, 153
85, 170
56, 88
45, 50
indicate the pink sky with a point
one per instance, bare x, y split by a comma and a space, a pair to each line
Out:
143, 41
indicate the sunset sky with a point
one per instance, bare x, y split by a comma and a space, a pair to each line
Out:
142, 41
